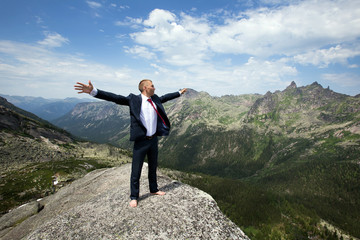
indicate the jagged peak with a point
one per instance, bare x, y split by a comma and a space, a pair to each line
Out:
192, 93
267, 94
191, 90
316, 84
292, 85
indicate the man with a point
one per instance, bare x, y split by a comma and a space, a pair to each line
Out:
148, 120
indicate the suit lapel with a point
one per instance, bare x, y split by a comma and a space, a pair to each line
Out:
160, 108
157, 101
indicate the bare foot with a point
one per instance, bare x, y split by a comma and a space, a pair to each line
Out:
133, 203
160, 193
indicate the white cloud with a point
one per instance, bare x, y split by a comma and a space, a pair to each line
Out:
53, 39
38, 20
27, 69
324, 57
93, 4
181, 43
262, 75
160, 18
220, 52
313, 32
256, 76
121, 7
141, 51
129, 21
353, 66
344, 80
288, 30
43, 72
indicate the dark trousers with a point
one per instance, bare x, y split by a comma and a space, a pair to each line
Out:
149, 148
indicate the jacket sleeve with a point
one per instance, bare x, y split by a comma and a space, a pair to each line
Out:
108, 96
169, 96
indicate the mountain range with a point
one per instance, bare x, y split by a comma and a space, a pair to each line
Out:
278, 164
233, 136
301, 144
47, 109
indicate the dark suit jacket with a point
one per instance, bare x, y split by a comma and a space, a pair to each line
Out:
137, 129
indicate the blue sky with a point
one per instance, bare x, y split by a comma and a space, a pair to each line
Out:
221, 47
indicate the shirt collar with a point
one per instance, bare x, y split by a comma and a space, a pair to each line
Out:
144, 98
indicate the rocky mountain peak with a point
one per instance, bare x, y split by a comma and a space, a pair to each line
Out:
292, 85
316, 84
191, 93
267, 94
97, 207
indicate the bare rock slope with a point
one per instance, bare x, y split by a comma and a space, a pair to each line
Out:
96, 207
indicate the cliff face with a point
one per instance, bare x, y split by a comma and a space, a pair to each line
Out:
96, 207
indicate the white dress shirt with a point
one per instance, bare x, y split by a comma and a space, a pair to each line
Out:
148, 116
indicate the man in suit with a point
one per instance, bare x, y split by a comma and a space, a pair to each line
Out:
148, 120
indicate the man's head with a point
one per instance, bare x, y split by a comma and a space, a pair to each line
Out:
146, 87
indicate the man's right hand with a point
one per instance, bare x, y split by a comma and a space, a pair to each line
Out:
83, 88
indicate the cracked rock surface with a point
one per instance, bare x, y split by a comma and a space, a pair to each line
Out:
97, 207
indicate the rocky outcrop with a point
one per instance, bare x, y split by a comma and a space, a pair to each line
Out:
96, 207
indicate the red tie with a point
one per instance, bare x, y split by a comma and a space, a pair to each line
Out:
149, 100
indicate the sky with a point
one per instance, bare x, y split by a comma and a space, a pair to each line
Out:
223, 47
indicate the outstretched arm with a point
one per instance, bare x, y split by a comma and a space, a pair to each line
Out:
83, 88
170, 96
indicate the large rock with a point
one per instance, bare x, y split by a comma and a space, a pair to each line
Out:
97, 207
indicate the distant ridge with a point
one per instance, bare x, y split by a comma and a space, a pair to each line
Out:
48, 109
15, 118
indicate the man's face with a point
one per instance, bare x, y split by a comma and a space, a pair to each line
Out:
149, 89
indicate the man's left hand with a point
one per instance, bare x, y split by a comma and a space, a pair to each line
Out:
182, 91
